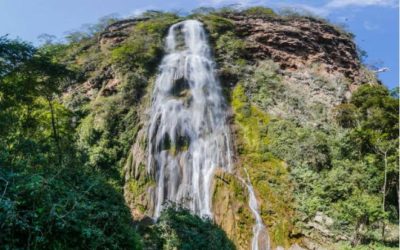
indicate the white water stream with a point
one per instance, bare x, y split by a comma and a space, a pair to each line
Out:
260, 239
188, 135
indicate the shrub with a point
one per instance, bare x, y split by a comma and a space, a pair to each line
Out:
62, 208
260, 11
265, 86
346, 115
179, 229
217, 25
136, 52
144, 47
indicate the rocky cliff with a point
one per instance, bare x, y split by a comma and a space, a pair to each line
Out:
278, 73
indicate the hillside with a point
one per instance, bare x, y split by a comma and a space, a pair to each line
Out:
312, 131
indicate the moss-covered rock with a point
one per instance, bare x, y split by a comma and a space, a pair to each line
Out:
268, 174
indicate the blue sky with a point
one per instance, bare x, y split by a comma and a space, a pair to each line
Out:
374, 22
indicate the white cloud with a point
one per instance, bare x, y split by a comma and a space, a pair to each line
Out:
323, 10
332, 5
241, 3
362, 3
370, 26
305, 7
139, 11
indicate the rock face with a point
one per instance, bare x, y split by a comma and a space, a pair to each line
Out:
315, 66
309, 95
138, 189
312, 67
230, 209
117, 32
299, 41
307, 66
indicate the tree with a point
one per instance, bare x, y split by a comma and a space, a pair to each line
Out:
384, 147
360, 209
178, 228
48, 199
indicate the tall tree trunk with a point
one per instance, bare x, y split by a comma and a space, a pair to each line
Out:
384, 194
357, 234
54, 128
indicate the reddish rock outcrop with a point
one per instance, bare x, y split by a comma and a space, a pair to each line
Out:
298, 41
117, 32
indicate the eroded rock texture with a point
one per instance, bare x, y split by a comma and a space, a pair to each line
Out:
299, 41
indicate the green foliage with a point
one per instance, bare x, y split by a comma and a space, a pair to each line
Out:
143, 49
265, 86
259, 11
341, 171
48, 199
62, 208
230, 50
379, 111
268, 175
374, 245
107, 133
229, 9
217, 25
13, 53
58, 157
346, 115
177, 228
230, 47
358, 207
395, 92
298, 145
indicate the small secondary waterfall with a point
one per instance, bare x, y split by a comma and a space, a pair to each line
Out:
260, 239
188, 135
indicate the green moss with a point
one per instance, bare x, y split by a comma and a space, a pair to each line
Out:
252, 122
238, 190
268, 175
134, 188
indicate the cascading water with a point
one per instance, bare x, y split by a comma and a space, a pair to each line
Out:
188, 135
260, 239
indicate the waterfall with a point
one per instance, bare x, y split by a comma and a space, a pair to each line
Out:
260, 239
188, 137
